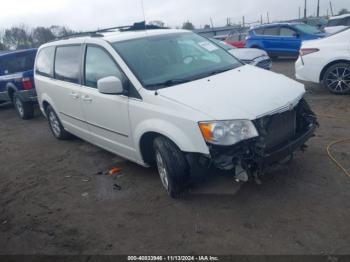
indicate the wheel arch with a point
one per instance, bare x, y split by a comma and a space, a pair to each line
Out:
11, 89
147, 131
324, 70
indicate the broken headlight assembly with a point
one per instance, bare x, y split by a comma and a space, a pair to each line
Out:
228, 133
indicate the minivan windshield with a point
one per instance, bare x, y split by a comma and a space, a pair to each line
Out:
308, 29
166, 60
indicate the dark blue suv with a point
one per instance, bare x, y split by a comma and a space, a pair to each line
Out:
16, 81
282, 39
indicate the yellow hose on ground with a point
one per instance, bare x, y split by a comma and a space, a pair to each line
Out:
329, 147
334, 159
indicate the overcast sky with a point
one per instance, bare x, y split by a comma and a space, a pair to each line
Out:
92, 14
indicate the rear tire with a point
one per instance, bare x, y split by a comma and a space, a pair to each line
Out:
172, 166
56, 126
337, 79
25, 110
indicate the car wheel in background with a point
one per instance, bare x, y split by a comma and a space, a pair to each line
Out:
337, 79
55, 125
172, 166
25, 110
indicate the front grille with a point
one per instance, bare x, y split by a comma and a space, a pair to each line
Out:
266, 64
278, 129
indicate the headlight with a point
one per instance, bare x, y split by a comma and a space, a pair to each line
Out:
228, 133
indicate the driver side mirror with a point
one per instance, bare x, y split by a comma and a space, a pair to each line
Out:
110, 85
297, 35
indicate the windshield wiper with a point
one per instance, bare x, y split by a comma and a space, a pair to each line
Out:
168, 83
219, 71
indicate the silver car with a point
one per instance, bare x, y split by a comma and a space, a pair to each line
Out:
251, 56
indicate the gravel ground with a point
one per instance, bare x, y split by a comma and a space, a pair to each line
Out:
52, 201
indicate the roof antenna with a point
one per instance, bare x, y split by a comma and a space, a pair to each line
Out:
143, 12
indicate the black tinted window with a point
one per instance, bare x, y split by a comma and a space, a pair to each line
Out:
18, 63
271, 31
98, 64
336, 22
285, 31
348, 21
67, 63
44, 63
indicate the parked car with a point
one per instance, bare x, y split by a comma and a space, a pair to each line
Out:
251, 56
237, 39
327, 61
337, 23
172, 98
282, 39
16, 81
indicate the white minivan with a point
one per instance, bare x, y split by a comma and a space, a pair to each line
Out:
174, 99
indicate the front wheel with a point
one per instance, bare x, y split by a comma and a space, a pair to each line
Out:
337, 79
25, 110
172, 166
55, 125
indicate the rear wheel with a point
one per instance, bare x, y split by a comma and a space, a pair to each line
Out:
337, 79
55, 125
25, 110
172, 166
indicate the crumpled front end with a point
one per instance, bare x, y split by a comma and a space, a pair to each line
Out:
280, 135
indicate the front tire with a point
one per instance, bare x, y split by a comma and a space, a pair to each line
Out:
337, 79
56, 126
172, 166
25, 110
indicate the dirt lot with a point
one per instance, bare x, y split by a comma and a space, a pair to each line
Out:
51, 201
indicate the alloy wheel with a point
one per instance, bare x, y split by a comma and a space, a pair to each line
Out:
338, 80
19, 106
55, 125
163, 173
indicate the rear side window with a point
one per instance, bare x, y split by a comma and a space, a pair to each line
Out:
67, 63
234, 37
259, 31
99, 64
44, 62
285, 31
17, 63
271, 31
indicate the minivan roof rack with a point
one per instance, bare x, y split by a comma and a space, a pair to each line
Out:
98, 33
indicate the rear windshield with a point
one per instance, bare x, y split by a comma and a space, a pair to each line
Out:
308, 29
17, 63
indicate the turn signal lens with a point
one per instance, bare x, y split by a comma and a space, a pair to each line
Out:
207, 130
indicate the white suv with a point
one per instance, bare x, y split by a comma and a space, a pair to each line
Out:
172, 98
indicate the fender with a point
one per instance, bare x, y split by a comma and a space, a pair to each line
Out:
174, 133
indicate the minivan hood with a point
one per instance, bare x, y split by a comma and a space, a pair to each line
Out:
248, 54
246, 92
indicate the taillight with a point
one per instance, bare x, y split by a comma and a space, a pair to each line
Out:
27, 83
307, 51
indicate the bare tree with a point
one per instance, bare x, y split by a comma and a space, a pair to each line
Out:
17, 38
188, 26
344, 11
41, 35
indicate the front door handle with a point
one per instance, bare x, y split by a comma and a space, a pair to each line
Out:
74, 95
87, 99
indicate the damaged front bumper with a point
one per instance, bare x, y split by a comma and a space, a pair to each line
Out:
280, 136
